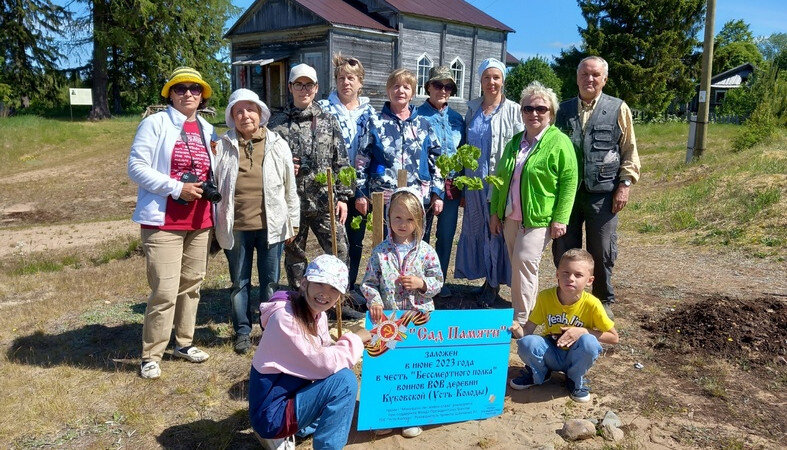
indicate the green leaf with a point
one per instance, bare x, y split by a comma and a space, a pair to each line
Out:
370, 221
321, 178
494, 180
356, 223
347, 177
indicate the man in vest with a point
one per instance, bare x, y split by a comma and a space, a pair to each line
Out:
601, 128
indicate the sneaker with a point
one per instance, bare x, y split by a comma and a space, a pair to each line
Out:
578, 394
287, 443
411, 432
525, 379
242, 344
445, 291
608, 309
150, 370
191, 353
487, 297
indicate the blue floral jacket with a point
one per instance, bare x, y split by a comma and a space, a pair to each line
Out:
388, 144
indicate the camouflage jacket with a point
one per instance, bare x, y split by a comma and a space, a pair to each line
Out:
388, 144
314, 138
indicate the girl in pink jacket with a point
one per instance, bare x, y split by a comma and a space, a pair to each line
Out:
301, 380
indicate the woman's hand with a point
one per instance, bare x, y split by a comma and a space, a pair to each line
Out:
362, 205
376, 311
341, 212
437, 205
557, 229
516, 330
191, 191
495, 226
412, 283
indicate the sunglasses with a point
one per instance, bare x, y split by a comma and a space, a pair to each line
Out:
180, 89
440, 86
351, 61
298, 86
539, 109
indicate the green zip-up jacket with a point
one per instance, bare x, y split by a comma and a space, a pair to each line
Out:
548, 183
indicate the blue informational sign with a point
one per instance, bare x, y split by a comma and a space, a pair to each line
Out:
422, 369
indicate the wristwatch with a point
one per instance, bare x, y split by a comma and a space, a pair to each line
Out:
626, 182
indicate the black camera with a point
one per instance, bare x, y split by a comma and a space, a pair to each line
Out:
209, 190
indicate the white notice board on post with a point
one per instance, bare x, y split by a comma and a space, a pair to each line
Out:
80, 96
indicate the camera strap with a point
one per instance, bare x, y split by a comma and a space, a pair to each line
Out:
185, 139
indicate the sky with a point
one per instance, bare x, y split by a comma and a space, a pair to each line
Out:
543, 27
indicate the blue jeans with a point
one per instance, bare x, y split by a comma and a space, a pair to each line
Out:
541, 354
327, 406
446, 230
240, 259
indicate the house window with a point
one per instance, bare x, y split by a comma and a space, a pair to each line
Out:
458, 71
719, 97
424, 64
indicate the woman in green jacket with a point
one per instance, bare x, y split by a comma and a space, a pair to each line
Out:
539, 172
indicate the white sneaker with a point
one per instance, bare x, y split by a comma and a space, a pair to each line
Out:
191, 353
411, 432
287, 443
150, 370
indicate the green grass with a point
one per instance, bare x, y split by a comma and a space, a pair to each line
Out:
727, 198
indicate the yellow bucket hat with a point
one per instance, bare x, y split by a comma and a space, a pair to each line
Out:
185, 74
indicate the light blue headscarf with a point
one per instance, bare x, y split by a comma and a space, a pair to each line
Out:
491, 62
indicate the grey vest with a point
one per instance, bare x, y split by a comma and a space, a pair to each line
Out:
598, 149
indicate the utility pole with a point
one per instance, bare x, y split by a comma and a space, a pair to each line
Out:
695, 148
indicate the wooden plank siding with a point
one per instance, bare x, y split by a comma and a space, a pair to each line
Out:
374, 52
278, 15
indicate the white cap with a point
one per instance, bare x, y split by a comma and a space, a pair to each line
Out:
303, 70
246, 95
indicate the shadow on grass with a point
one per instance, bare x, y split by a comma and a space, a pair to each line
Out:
115, 347
233, 432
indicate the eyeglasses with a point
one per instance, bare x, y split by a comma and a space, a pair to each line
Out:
298, 86
180, 89
539, 109
351, 61
443, 87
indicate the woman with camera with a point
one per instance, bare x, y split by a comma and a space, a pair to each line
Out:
259, 207
171, 163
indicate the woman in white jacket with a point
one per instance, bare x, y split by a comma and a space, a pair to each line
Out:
259, 208
169, 161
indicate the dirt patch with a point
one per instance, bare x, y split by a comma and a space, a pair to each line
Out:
726, 327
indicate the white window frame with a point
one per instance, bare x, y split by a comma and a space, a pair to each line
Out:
421, 81
460, 79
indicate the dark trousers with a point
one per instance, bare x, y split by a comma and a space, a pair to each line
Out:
595, 211
295, 259
355, 241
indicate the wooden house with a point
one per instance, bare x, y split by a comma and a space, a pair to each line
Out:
273, 35
721, 83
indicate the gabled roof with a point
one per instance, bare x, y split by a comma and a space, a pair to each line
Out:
732, 78
340, 12
451, 10
332, 11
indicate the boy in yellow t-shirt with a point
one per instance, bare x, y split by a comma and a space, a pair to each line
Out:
574, 324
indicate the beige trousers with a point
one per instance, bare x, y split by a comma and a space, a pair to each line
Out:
525, 247
176, 265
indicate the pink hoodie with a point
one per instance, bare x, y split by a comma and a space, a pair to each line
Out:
286, 347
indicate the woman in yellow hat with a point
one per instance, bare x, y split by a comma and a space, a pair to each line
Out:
173, 166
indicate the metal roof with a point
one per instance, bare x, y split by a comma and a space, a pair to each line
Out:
451, 10
340, 12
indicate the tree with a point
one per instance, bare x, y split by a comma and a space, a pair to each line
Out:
649, 47
771, 46
28, 50
137, 43
734, 54
565, 67
734, 45
733, 31
534, 69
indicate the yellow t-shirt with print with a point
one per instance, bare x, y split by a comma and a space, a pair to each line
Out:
587, 312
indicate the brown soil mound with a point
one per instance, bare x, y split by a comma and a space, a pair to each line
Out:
726, 327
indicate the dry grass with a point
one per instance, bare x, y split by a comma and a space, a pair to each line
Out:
70, 336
